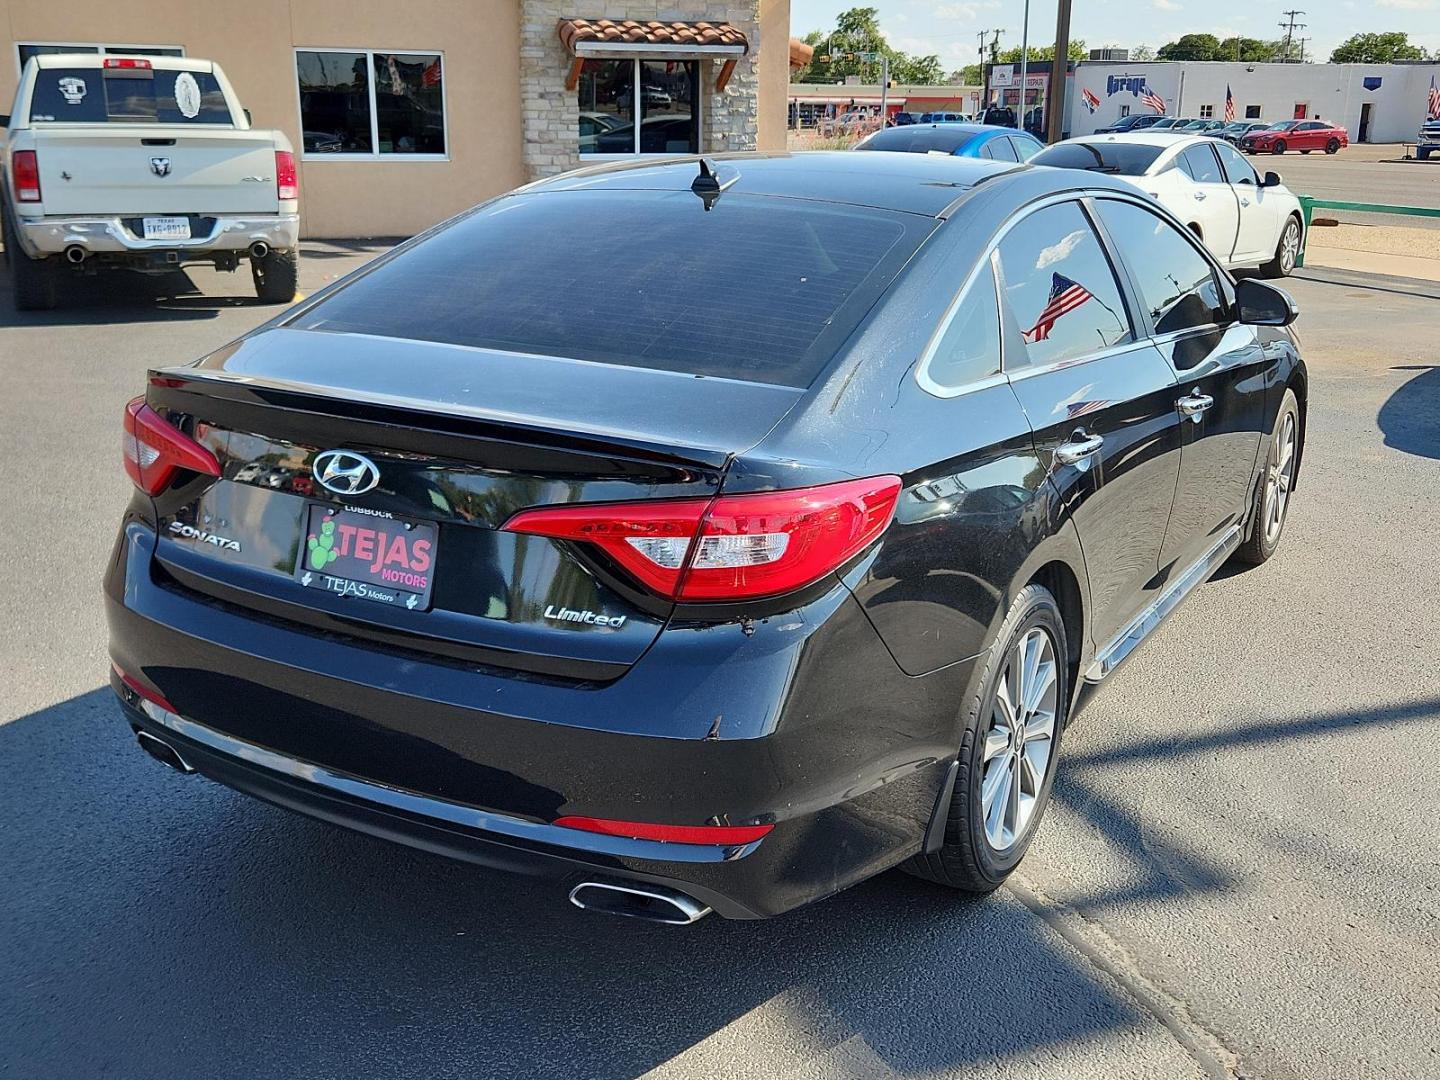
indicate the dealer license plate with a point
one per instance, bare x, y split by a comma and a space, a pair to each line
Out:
385, 560
166, 228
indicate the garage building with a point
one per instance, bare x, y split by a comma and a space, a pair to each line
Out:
406, 113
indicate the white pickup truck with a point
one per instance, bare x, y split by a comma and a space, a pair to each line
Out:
143, 163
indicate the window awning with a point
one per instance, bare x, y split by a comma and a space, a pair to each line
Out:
596, 39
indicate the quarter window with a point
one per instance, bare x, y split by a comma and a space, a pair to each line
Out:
1176, 282
663, 93
1060, 288
969, 345
371, 104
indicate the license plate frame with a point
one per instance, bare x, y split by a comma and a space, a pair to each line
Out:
379, 558
165, 228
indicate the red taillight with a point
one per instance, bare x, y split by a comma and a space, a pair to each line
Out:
127, 62
734, 547
155, 449
25, 174
717, 835
287, 184
153, 696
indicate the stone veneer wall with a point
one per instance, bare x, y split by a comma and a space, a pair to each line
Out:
550, 114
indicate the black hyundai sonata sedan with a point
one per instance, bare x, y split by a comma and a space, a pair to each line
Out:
702, 535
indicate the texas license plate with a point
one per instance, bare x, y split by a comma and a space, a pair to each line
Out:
166, 228
386, 560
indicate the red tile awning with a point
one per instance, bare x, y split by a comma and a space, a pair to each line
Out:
607, 37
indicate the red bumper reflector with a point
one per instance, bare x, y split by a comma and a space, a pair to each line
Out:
715, 835
152, 696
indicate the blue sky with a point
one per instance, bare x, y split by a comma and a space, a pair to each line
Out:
949, 28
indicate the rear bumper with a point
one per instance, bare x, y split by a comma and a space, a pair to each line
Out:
41, 237
815, 730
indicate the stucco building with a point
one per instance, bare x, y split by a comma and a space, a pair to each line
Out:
406, 113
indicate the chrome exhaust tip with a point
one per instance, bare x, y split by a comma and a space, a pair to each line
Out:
75, 254
259, 249
162, 751
649, 902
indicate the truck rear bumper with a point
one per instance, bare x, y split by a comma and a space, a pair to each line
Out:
120, 233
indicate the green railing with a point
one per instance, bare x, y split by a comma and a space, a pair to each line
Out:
1308, 205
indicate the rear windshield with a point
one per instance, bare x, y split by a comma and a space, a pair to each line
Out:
918, 140
127, 96
1124, 159
761, 289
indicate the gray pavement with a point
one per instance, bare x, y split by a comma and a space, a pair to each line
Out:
1373, 173
1238, 877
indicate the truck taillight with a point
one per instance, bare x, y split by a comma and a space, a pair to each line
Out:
25, 173
287, 184
733, 547
155, 449
127, 63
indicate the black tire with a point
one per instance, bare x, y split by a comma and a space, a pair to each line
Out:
1333, 146
32, 281
277, 276
967, 860
1422, 155
1279, 147
1283, 264
1264, 542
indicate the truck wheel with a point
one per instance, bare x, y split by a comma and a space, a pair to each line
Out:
277, 276
32, 280
1422, 154
1333, 146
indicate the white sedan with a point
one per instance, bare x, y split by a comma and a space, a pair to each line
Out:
1245, 219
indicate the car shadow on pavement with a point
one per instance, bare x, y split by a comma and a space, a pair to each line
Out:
159, 926
1410, 417
112, 298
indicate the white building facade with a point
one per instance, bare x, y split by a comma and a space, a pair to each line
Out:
1376, 102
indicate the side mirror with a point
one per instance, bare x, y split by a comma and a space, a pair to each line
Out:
1261, 304
250, 120
1272, 179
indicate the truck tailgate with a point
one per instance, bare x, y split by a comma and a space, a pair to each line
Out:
155, 170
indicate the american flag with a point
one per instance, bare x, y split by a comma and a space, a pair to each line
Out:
1092, 99
1434, 100
1152, 100
1230, 104
1065, 297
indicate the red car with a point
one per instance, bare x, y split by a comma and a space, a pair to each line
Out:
1302, 135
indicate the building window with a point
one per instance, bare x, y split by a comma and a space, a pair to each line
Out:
1207, 112
364, 104
663, 93
1252, 112
1124, 110
28, 49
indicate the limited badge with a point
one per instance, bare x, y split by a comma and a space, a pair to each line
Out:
72, 90
187, 95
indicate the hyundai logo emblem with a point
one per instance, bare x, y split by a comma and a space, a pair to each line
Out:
345, 472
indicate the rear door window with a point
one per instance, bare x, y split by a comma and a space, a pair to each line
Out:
1060, 288
133, 96
760, 289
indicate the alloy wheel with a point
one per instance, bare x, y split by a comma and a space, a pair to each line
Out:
1279, 478
1289, 246
1020, 741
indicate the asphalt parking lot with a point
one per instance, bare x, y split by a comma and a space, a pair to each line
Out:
1240, 874
1362, 172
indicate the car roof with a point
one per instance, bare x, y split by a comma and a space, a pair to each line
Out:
97, 60
911, 183
1139, 138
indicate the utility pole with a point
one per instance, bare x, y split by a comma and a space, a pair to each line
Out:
1290, 26
1055, 99
1024, 66
1302, 41
994, 57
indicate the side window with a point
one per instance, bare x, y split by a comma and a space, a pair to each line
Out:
1199, 162
1000, 149
1024, 148
1237, 169
969, 345
1060, 287
1177, 284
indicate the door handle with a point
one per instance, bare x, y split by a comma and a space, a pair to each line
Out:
1194, 404
1079, 447
1200, 196
1244, 202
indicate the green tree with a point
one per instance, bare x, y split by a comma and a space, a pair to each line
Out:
858, 31
1142, 53
969, 75
1044, 53
1250, 50
1193, 47
1376, 49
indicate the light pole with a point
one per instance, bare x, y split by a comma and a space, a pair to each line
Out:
1024, 65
